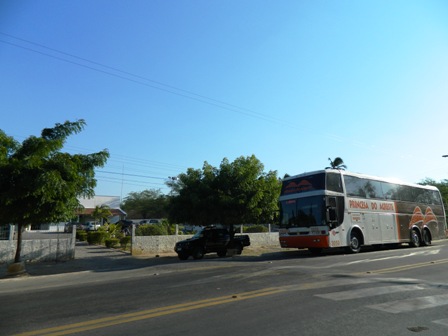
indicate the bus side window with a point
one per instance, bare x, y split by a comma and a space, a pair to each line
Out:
334, 182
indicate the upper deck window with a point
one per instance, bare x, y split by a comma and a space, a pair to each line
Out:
303, 184
368, 188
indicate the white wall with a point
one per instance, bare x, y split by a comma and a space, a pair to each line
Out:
39, 249
150, 245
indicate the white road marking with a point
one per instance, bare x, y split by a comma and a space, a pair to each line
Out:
368, 292
414, 304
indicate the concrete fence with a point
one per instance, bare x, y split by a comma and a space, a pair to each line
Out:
61, 249
35, 250
150, 245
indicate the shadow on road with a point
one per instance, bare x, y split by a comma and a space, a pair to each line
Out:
93, 258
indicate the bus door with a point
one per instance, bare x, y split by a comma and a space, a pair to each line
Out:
335, 217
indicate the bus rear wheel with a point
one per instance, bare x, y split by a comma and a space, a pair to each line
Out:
355, 242
426, 241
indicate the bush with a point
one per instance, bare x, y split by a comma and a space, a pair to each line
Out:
125, 241
151, 230
81, 235
96, 238
255, 229
111, 242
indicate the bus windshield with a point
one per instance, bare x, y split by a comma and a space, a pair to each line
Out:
303, 212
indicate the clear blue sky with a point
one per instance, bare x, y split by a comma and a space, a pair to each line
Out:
166, 85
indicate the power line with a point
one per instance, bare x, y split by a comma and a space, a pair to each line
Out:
165, 87
134, 175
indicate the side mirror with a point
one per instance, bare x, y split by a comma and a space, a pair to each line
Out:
276, 217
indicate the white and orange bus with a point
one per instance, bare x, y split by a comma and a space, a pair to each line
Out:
335, 208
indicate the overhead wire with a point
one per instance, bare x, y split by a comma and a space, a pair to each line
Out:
141, 80
125, 76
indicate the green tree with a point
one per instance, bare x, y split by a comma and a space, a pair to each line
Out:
101, 213
41, 184
149, 203
442, 186
337, 163
237, 192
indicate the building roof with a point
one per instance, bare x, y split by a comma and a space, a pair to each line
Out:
113, 202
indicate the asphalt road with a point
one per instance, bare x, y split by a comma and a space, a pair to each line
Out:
381, 292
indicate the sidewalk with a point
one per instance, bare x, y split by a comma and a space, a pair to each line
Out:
95, 258
92, 258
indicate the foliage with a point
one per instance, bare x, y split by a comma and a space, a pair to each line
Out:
442, 186
96, 237
81, 235
111, 242
237, 192
113, 230
170, 228
101, 213
146, 204
125, 241
255, 229
152, 230
41, 184
337, 163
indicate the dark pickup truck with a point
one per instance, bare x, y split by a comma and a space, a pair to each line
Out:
211, 239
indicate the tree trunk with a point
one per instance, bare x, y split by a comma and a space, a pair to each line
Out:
19, 243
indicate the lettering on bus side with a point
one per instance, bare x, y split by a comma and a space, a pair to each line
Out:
381, 206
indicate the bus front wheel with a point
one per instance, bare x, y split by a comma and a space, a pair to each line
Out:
355, 242
415, 239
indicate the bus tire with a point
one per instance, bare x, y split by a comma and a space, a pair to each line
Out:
355, 242
415, 238
426, 240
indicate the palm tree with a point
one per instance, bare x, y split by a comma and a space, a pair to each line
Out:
337, 163
101, 213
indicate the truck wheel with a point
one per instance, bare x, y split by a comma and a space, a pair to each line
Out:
238, 249
198, 253
182, 256
222, 253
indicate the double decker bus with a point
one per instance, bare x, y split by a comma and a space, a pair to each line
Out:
336, 208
